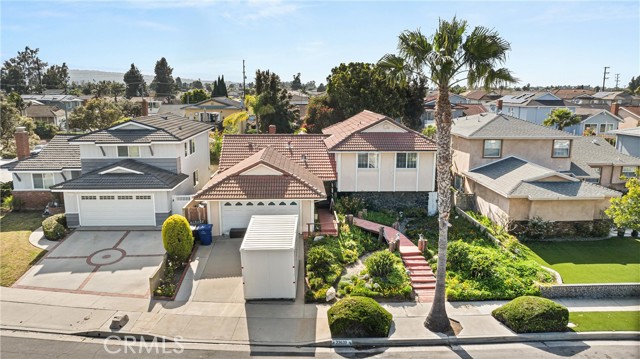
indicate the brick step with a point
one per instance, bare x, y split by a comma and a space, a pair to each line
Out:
425, 293
418, 267
415, 262
422, 279
431, 285
412, 257
405, 251
421, 272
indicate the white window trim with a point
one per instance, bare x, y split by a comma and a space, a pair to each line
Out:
406, 160
484, 147
568, 149
196, 178
44, 184
369, 154
128, 151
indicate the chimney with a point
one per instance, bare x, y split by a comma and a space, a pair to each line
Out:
499, 105
145, 108
272, 129
615, 107
22, 143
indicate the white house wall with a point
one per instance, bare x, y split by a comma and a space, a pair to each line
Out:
26, 180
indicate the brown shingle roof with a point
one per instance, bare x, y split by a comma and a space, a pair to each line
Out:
473, 109
295, 182
570, 94
40, 111
236, 148
348, 136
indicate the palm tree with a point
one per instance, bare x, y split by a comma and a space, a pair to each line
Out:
449, 57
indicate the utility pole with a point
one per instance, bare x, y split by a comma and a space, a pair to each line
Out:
604, 77
244, 90
617, 81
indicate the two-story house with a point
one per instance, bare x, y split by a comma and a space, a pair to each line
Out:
128, 172
534, 107
368, 155
594, 120
628, 141
518, 170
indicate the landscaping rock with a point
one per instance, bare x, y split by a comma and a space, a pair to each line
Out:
318, 238
368, 286
331, 294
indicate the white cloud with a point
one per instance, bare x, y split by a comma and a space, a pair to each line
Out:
258, 9
157, 26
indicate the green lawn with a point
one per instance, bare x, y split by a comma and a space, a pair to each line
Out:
613, 260
605, 321
16, 253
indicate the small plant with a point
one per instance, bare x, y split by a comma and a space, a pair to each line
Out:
381, 263
538, 228
349, 205
533, 315
177, 238
55, 227
359, 317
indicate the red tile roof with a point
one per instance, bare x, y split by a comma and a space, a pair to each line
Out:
295, 182
321, 163
342, 130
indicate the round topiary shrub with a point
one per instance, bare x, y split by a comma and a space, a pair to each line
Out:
359, 317
55, 227
380, 263
177, 237
533, 315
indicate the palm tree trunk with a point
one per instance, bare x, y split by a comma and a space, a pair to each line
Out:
437, 320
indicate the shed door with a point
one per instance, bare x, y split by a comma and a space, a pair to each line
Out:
237, 214
117, 209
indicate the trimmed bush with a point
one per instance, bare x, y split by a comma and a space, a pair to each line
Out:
177, 237
381, 263
533, 315
359, 317
55, 227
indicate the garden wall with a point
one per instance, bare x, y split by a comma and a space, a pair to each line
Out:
592, 291
565, 229
394, 201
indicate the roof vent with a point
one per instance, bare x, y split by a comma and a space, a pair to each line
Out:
303, 158
165, 117
289, 146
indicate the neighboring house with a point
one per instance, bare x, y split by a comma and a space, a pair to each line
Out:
599, 121
532, 106
612, 97
628, 141
495, 154
301, 101
64, 102
458, 105
368, 155
176, 110
47, 114
480, 96
153, 105
630, 115
33, 175
212, 110
574, 95
124, 175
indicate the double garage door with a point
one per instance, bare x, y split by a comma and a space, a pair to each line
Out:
237, 214
117, 209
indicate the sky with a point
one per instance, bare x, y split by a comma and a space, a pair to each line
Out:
553, 43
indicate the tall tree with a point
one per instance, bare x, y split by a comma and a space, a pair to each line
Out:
134, 82
450, 57
321, 88
296, 84
321, 114
97, 113
562, 118
273, 103
10, 119
179, 83
117, 88
102, 88
164, 83
23, 73
197, 84
56, 77
194, 96
634, 84
625, 210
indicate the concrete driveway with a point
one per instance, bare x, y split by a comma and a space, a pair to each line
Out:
221, 279
115, 263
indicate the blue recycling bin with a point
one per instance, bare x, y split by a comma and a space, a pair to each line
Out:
203, 234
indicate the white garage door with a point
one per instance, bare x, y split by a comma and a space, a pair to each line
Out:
237, 214
117, 209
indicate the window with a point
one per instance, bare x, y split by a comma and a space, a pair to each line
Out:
107, 198
125, 197
128, 151
195, 178
492, 148
368, 160
629, 171
186, 150
458, 183
43, 180
406, 160
88, 198
143, 197
603, 128
561, 148
192, 146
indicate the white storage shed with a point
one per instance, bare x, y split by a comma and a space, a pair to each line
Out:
269, 257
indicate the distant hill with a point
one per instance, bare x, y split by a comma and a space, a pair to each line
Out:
92, 75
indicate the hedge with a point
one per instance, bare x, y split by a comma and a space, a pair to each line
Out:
359, 317
55, 227
177, 237
533, 315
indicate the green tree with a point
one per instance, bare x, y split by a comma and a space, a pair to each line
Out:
296, 84
179, 83
102, 88
219, 88
321, 88
134, 82
164, 83
56, 77
23, 73
9, 121
197, 84
561, 118
321, 114
451, 56
625, 210
634, 84
130, 108
97, 113
116, 89
273, 104
194, 96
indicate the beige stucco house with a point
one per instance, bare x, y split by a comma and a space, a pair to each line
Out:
518, 170
212, 110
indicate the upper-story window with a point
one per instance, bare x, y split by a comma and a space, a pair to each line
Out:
629, 171
128, 151
43, 180
368, 160
406, 160
492, 148
189, 147
561, 148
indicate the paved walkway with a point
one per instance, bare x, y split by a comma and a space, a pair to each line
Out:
422, 279
37, 240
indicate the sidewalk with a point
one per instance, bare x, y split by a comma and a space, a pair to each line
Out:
281, 323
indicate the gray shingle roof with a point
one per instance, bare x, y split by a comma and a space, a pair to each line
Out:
531, 99
496, 126
514, 177
635, 131
593, 151
56, 156
223, 101
165, 128
151, 177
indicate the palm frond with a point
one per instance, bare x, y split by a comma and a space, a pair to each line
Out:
395, 69
414, 47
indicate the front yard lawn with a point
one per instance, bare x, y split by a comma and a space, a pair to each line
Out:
16, 253
613, 260
605, 321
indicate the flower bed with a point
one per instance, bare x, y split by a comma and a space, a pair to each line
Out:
166, 280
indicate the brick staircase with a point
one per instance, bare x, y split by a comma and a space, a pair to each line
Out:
328, 224
422, 279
